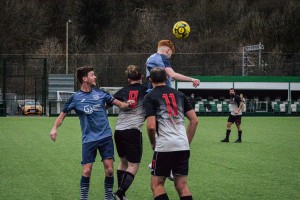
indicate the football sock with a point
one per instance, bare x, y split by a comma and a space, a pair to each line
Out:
120, 174
162, 197
108, 187
240, 134
125, 184
84, 187
186, 198
227, 133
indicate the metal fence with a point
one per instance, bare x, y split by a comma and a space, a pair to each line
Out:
23, 79
26, 76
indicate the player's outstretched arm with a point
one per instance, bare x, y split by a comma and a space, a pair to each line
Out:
192, 126
56, 124
123, 105
180, 77
151, 130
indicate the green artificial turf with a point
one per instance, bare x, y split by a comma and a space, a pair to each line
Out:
264, 166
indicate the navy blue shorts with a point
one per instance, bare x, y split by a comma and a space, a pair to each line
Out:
164, 162
104, 146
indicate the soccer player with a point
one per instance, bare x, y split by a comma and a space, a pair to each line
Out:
128, 132
236, 106
89, 104
165, 49
165, 111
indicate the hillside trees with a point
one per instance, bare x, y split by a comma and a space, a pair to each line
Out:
123, 26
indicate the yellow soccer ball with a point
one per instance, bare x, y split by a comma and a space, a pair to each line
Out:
181, 29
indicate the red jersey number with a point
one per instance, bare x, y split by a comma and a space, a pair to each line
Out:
133, 95
167, 98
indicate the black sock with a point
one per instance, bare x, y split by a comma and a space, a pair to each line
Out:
162, 197
186, 198
120, 174
227, 133
240, 134
125, 184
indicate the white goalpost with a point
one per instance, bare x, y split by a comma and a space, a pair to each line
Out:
62, 97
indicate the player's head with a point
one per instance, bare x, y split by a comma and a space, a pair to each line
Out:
158, 75
231, 91
133, 73
166, 47
83, 73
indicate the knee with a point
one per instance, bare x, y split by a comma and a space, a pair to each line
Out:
123, 165
87, 172
179, 186
182, 188
109, 171
157, 184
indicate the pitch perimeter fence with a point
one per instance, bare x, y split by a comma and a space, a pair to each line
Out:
25, 76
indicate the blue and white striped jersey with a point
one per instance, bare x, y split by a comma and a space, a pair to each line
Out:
157, 60
90, 107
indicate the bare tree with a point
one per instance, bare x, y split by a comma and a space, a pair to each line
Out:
53, 51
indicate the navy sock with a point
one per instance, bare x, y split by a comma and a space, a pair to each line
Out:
108, 187
84, 187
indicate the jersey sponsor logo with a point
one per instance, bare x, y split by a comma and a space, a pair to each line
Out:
88, 109
97, 107
96, 97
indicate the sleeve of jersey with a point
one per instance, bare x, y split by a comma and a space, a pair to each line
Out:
108, 98
149, 107
187, 105
120, 95
69, 105
166, 61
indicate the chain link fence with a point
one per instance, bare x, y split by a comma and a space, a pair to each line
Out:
25, 76
110, 67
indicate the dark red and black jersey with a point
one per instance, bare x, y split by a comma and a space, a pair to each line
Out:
134, 117
169, 107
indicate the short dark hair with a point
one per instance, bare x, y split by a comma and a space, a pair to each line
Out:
82, 72
133, 72
158, 75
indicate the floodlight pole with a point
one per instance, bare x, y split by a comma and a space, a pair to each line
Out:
67, 45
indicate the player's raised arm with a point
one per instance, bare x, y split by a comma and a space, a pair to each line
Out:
56, 124
180, 77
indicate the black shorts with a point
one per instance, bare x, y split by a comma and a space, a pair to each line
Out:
129, 144
164, 162
237, 119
